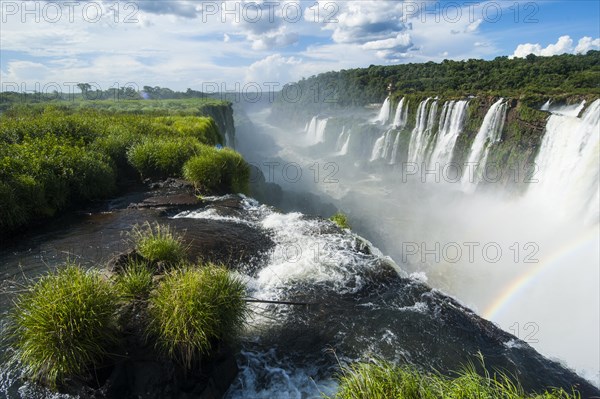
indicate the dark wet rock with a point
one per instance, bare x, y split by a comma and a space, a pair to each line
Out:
181, 201
119, 261
142, 376
237, 245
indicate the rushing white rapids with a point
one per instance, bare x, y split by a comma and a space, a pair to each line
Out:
303, 255
568, 163
489, 133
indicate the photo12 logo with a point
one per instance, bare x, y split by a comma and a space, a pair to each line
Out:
69, 11
468, 252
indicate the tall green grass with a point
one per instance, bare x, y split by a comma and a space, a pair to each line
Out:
160, 157
158, 243
382, 380
192, 309
134, 281
54, 156
63, 324
215, 170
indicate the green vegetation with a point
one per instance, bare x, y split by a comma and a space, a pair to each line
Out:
551, 76
341, 220
218, 170
162, 157
56, 156
158, 243
135, 281
63, 324
192, 308
71, 321
383, 380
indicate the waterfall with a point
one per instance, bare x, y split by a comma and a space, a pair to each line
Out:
339, 143
378, 148
394, 157
384, 146
401, 115
384, 113
344, 149
400, 121
546, 106
489, 133
341, 146
568, 162
316, 130
450, 128
421, 134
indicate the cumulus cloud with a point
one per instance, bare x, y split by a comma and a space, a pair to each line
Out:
274, 68
374, 26
359, 21
562, 46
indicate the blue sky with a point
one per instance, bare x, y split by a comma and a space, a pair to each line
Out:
181, 44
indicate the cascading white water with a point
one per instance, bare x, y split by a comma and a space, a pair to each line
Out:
340, 141
401, 115
568, 163
344, 149
395, 149
377, 151
316, 130
546, 106
420, 125
566, 110
343, 141
489, 133
450, 128
384, 112
383, 147
421, 135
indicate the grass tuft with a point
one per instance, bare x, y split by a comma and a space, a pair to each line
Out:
158, 243
63, 324
218, 170
341, 220
135, 281
382, 380
193, 308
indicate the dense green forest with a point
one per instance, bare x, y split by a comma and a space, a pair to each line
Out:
532, 76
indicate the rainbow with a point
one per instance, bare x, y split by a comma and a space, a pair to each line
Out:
519, 285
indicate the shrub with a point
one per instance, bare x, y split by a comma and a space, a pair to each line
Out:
218, 170
341, 220
204, 171
192, 308
158, 243
63, 324
382, 380
161, 157
115, 144
135, 281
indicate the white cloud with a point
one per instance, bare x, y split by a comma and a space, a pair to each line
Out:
562, 46
274, 68
472, 27
401, 40
586, 44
